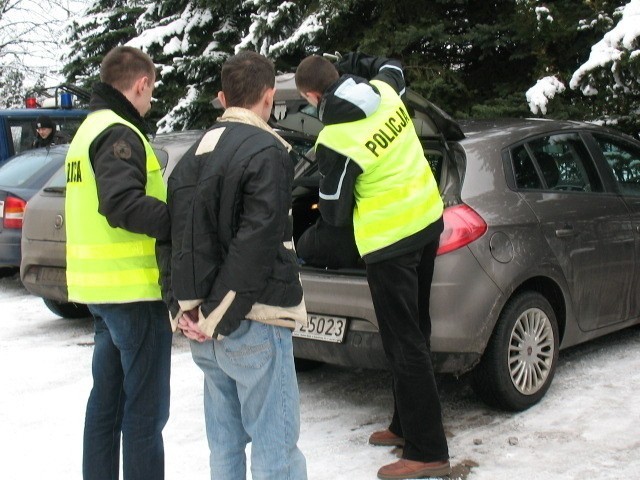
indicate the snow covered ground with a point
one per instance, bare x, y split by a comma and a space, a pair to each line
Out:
587, 427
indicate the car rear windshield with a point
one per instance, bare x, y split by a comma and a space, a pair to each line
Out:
18, 171
59, 180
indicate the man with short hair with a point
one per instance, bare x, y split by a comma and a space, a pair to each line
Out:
115, 210
374, 176
235, 288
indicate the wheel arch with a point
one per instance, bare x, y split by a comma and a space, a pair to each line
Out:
549, 289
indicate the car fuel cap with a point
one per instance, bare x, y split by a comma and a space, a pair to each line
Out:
501, 247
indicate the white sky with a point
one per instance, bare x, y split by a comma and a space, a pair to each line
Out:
43, 23
587, 426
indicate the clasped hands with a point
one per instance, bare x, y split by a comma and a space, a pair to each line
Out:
188, 323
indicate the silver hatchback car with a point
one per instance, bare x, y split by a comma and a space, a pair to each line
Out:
540, 252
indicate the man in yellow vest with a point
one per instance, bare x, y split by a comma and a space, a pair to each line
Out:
115, 210
374, 174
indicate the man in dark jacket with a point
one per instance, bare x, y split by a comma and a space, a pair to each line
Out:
375, 175
235, 289
115, 210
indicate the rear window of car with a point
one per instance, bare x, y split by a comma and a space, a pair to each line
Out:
59, 180
18, 171
557, 162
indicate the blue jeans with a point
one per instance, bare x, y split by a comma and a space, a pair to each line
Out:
251, 395
130, 394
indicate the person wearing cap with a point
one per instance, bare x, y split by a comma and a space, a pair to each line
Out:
45, 130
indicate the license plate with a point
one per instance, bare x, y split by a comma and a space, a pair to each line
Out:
1, 209
323, 328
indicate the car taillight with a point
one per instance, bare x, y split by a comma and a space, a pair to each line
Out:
13, 212
462, 225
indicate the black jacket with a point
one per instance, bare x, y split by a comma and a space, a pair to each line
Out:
230, 216
120, 165
339, 174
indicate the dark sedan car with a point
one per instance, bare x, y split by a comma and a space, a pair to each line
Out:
20, 178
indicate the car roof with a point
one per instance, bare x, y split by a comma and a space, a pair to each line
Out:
507, 131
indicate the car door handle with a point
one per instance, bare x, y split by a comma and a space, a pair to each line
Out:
567, 231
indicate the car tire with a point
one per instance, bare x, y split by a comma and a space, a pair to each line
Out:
67, 309
520, 360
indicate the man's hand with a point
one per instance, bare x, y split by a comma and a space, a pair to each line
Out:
188, 323
333, 57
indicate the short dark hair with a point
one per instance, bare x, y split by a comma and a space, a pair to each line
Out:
315, 73
245, 77
123, 65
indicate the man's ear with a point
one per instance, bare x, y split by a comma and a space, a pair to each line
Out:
312, 97
223, 101
269, 94
140, 84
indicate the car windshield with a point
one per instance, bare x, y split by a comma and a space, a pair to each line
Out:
18, 171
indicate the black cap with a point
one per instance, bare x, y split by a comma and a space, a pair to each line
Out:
43, 121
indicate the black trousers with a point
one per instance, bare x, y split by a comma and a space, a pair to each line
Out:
400, 288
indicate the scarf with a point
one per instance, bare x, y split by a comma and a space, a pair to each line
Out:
242, 115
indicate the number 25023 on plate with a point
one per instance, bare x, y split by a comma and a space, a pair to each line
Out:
323, 328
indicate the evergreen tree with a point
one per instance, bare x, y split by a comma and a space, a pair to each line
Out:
474, 58
189, 40
610, 77
107, 24
281, 30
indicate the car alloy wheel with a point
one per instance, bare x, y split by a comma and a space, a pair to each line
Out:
531, 351
519, 362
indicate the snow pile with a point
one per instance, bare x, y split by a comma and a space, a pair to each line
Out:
542, 92
543, 14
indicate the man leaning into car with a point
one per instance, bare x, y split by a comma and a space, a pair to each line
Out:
115, 210
375, 175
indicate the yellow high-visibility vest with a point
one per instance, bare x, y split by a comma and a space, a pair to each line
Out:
396, 194
106, 264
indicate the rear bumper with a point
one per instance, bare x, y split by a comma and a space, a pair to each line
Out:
43, 269
364, 350
463, 314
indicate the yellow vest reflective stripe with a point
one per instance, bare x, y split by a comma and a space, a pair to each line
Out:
396, 194
106, 264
